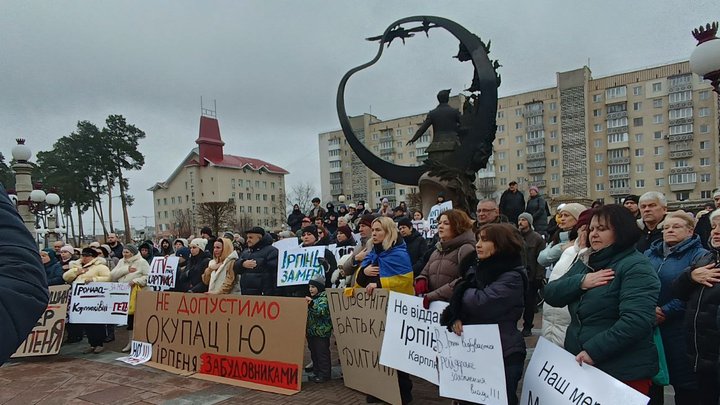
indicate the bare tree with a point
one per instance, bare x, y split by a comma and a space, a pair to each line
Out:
302, 195
183, 223
241, 222
216, 215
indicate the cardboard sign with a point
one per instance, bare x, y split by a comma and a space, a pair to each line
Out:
434, 216
140, 353
249, 341
554, 377
359, 326
99, 303
409, 341
162, 272
471, 365
299, 265
47, 335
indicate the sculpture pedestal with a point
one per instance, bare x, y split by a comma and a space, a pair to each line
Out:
456, 187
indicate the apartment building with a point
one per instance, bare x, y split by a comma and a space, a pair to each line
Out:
207, 174
593, 138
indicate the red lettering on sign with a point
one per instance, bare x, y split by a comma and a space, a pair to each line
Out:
272, 373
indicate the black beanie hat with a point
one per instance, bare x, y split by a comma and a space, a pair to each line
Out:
311, 229
256, 229
89, 252
405, 221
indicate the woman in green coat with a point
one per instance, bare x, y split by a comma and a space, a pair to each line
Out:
611, 292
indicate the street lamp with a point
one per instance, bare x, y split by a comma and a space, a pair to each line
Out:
44, 206
705, 59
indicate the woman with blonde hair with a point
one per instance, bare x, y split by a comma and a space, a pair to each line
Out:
219, 275
133, 270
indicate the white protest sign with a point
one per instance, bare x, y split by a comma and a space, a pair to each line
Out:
358, 238
471, 366
554, 377
409, 340
299, 265
99, 303
162, 272
286, 244
434, 216
341, 251
140, 353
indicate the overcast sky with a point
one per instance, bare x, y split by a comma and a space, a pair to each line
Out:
274, 66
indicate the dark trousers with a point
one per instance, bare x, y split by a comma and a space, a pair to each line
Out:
320, 355
683, 396
531, 302
709, 388
74, 331
406, 386
95, 333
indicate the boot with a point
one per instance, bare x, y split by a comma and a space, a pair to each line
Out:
127, 348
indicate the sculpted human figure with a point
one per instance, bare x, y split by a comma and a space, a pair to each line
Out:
445, 122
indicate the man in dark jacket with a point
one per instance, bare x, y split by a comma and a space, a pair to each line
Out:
23, 288
703, 227
206, 233
534, 244
257, 266
512, 202
295, 218
537, 207
653, 207
416, 245
115, 245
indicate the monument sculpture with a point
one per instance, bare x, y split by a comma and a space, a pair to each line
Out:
462, 143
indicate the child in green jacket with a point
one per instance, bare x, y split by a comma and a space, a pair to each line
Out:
319, 329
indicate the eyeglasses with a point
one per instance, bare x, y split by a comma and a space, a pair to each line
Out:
486, 210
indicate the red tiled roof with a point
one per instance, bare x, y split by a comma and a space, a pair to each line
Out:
240, 162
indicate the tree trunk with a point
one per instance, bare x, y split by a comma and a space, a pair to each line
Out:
110, 202
94, 212
97, 206
81, 233
126, 219
69, 220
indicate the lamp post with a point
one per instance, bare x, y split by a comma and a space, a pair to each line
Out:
44, 206
705, 59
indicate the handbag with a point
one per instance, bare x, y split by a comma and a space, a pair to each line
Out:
663, 376
133, 298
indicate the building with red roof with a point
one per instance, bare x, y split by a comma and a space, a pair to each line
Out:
207, 174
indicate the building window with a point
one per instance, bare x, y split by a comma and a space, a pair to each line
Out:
705, 178
639, 152
637, 90
503, 181
680, 113
519, 139
638, 122
553, 106
553, 134
704, 95
501, 128
597, 98
660, 182
553, 119
704, 128
640, 183
553, 148
704, 145
704, 112
682, 195
501, 155
597, 127
615, 138
659, 165
164, 201
597, 112
657, 135
680, 96
555, 177
554, 162
657, 119
657, 103
502, 169
240, 196
659, 150
598, 143
637, 106
518, 112
598, 172
706, 194
615, 92
500, 114
501, 141
600, 187
639, 168
555, 191
704, 161
638, 137
521, 166
518, 125
656, 87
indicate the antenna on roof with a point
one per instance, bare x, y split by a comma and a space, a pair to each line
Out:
206, 111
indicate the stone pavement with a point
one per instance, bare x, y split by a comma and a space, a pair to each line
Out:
75, 378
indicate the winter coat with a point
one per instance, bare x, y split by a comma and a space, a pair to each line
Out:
350, 265
294, 220
262, 280
555, 320
194, 271
685, 254
537, 207
552, 251
416, 246
53, 269
702, 229
96, 271
316, 212
702, 315
492, 292
648, 236
23, 289
512, 205
222, 279
117, 250
443, 269
330, 219
534, 244
612, 323
121, 272
318, 318
395, 268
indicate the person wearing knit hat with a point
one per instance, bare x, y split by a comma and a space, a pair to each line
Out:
319, 329
568, 215
68, 249
533, 245
344, 236
199, 242
416, 244
180, 243
312, 230
133, 249
257, 230
631, 203
405, 221
367, 220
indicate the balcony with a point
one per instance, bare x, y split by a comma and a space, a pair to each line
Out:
680, 87
536, 156
618, 145
619, 176
619, 161
622, 191
535, 127
336, 169
681, 154
386, 183
680, 170
680, 104
682, 186
336, 181
538, 183
536, 170
386, 136
616, 115
334, 145
618, 130
536, 141
532, 113
681, 121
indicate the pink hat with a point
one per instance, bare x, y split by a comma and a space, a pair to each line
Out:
67, 248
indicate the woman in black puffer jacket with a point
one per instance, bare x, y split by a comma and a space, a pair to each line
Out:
700, 287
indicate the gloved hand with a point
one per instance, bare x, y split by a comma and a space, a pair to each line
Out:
421, 286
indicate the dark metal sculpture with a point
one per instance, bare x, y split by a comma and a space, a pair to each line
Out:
477, 124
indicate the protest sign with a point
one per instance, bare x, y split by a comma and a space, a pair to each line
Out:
249, 341
359, 324
47, 335
299, 265
342, 251
286, 244
409, 340
99, 303
434, 216
140, 353
162, 272
554, 377
471, 366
